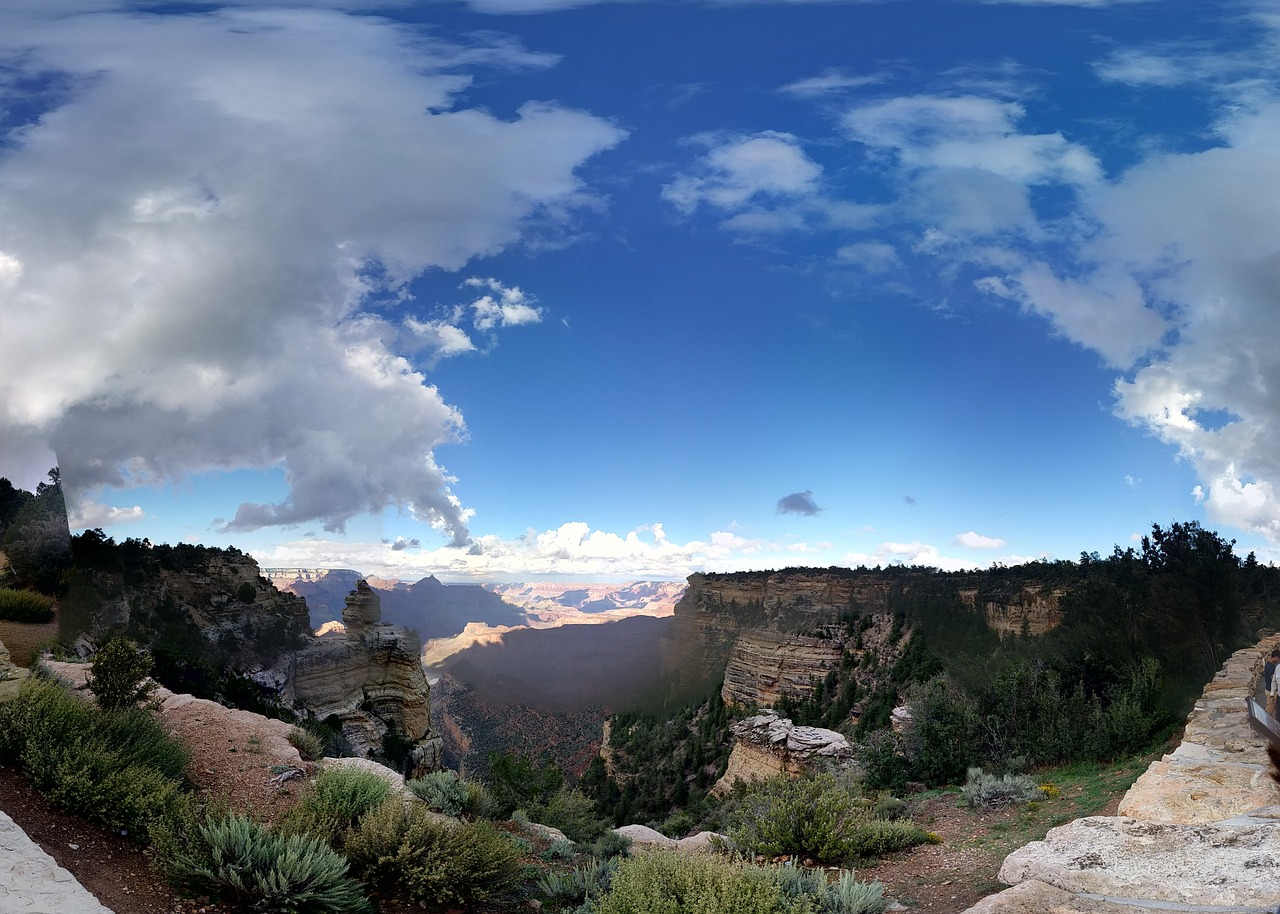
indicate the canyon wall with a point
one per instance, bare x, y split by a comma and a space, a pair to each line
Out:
771, 634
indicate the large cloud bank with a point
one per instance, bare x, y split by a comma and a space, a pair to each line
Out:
206, 232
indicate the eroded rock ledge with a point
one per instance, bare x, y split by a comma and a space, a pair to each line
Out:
1198, 831
767, 744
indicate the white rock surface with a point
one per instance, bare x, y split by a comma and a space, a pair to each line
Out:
32, 882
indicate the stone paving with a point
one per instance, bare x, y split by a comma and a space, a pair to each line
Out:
31, 882
1199, 831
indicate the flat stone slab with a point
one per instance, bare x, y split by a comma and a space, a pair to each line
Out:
1122, 858
1034, 897
1198, 793
32, 882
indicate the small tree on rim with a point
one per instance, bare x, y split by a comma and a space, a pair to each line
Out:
119, 676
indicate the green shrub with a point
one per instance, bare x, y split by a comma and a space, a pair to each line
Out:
407, 847
849, 896
874, 837
25, 606
883, 763
572, 813
309, 745
242, 862
481, 803
816, 817
120, 768
889, 807
442, 791
610, 844
340, 797
118, 676
667, 882
990, 791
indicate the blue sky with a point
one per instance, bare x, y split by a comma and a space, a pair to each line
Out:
513, 289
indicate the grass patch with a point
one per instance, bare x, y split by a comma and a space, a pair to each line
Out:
1082, 788
25, 606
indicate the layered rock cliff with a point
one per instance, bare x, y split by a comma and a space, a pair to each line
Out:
765, 745
372, 680
775, 634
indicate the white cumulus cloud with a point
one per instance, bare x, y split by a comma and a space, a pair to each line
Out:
972, 540
194, 229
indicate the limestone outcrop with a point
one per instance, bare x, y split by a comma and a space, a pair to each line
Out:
767, 744
1031, 610
1198, 831
372, 680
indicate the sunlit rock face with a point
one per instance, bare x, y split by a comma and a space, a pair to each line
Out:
766, 744
372, 680
1030, 611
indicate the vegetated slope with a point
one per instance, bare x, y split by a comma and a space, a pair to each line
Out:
194, 605
472, 729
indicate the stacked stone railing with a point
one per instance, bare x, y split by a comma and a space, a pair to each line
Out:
1198, 831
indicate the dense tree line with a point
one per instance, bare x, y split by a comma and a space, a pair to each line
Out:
34, 534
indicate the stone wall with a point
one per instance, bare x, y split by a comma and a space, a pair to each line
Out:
1198, 831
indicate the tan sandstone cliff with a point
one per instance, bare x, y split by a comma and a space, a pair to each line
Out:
780, 633
371, 679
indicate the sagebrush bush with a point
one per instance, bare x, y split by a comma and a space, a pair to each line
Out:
442, 790
817, 817
481, 803
241, 861
119, 768
337, 801
583, 882
25, 606
560, 850
119, 675
661, 881
434, 862
610, 844
849, 896
989, 790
